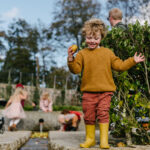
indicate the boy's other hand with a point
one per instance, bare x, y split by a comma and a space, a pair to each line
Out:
138, 58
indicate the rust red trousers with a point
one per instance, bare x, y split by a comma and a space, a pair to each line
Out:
96, 106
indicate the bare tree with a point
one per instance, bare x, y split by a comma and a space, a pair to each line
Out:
70, 16
45, 49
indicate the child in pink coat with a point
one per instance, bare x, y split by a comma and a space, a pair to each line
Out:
46, 102
13, 109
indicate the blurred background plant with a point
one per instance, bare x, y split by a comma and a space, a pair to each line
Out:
131, 100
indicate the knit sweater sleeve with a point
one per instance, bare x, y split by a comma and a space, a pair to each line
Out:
120, 65
76, 65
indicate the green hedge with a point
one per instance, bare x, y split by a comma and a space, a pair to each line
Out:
55, 108
67, 107
125, 107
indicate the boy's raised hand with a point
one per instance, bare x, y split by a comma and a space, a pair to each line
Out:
138, 58
70, 54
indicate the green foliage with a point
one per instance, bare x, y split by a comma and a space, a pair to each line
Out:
30, 108
21, 46
36, 96
67, 107
2, 93
125, 107
18, 60
125, 44
63, 96
8, 91
70, 16
55, 108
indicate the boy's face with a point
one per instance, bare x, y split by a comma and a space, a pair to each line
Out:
93, 41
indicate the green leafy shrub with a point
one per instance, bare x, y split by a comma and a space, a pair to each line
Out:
8, 91
36, 96
55, 108
125, 106
67, 107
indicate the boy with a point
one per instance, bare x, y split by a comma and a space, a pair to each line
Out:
115, 18
97, 84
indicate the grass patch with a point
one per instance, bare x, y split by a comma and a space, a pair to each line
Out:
67, 107
55, 108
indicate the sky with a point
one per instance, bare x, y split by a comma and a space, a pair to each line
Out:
30, 10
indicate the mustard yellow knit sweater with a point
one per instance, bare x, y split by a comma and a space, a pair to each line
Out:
97, 68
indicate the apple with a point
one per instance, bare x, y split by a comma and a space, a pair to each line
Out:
74, 48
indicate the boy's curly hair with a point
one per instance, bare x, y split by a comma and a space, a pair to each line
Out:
93, 26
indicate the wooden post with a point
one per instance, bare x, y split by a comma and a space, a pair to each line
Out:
66, 83
43, 82
37, 71
32, 80
66, 87
9, 77
54, 85
20, 80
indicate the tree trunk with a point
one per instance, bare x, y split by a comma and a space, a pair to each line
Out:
37, 72
146, 78
129, 139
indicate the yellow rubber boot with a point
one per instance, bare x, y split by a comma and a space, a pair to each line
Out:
90, 137
104, 135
